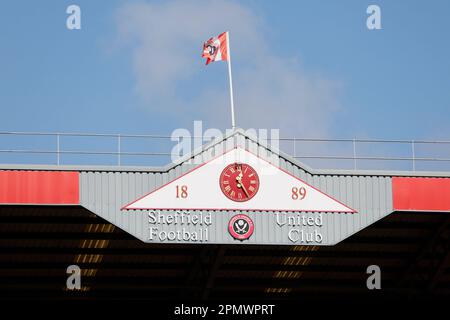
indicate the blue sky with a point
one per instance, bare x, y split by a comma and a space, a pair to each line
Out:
311, 68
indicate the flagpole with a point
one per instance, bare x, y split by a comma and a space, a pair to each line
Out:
233, 124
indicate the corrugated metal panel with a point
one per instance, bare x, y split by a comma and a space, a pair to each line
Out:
105, 193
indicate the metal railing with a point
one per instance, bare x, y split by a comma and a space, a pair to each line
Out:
56, 147
58, 152
413, 158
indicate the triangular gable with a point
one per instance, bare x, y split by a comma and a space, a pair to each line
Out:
203, 188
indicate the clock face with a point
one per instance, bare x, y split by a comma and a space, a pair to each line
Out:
239, 182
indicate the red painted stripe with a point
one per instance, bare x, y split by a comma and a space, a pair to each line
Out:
39, 187
421, 194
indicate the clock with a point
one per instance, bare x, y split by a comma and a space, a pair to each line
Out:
239, 182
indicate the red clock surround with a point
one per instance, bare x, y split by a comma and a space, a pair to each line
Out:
239, 182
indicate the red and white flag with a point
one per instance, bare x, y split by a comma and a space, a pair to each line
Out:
216, 48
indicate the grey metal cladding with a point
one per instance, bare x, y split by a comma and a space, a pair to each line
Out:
105, 193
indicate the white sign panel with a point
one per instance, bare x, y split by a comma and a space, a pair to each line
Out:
238, 180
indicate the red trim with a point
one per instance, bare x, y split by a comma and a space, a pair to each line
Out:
39, 187
224, 209
421, 194
238, 209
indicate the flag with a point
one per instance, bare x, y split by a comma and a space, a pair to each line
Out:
216, 48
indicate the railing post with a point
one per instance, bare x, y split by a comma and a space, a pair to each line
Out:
354, 154
413, 155
295, 151
57, 149
118, 149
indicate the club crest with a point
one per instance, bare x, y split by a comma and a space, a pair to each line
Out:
241, 227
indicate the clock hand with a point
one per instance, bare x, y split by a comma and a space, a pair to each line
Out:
241, 185
245, 190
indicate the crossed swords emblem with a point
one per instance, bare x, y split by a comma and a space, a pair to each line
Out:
240, 226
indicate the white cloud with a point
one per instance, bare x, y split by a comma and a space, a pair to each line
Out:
166, 40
